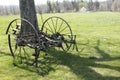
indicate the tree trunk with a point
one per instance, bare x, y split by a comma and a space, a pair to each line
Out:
28, 12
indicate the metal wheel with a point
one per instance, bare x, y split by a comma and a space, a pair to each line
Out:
56, 25
19, 53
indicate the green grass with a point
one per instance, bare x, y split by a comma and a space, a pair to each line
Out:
98, 36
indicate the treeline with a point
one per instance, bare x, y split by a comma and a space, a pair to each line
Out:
7, 10
67, 6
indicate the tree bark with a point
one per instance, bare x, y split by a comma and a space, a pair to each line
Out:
28, 12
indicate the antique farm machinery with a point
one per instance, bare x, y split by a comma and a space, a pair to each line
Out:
26, 46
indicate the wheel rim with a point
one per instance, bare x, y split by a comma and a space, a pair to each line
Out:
20, 54
54, 25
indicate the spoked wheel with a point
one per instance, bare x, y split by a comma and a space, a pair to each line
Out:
20, 53
55, 26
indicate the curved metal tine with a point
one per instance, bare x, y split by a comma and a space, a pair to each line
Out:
73, 47
53, 25
75, 44
25, 51
62, 48
66, 49
15, 48
66, 45
20, 55
50, 27
26, 54
60, 25
77, 48
69, 36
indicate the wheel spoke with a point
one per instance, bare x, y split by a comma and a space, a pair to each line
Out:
60, 26
53, 25
62, 29
50, 27
56, 24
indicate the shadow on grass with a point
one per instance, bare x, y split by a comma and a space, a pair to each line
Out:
105, 56
101, 52
79, 65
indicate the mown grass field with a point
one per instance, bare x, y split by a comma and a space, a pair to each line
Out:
98, 36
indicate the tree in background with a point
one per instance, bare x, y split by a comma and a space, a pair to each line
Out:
108, 5
57, 7
75, 4
90, 5
83, 4
116, 5
96, 5
49, 7
67, 6
7, 10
